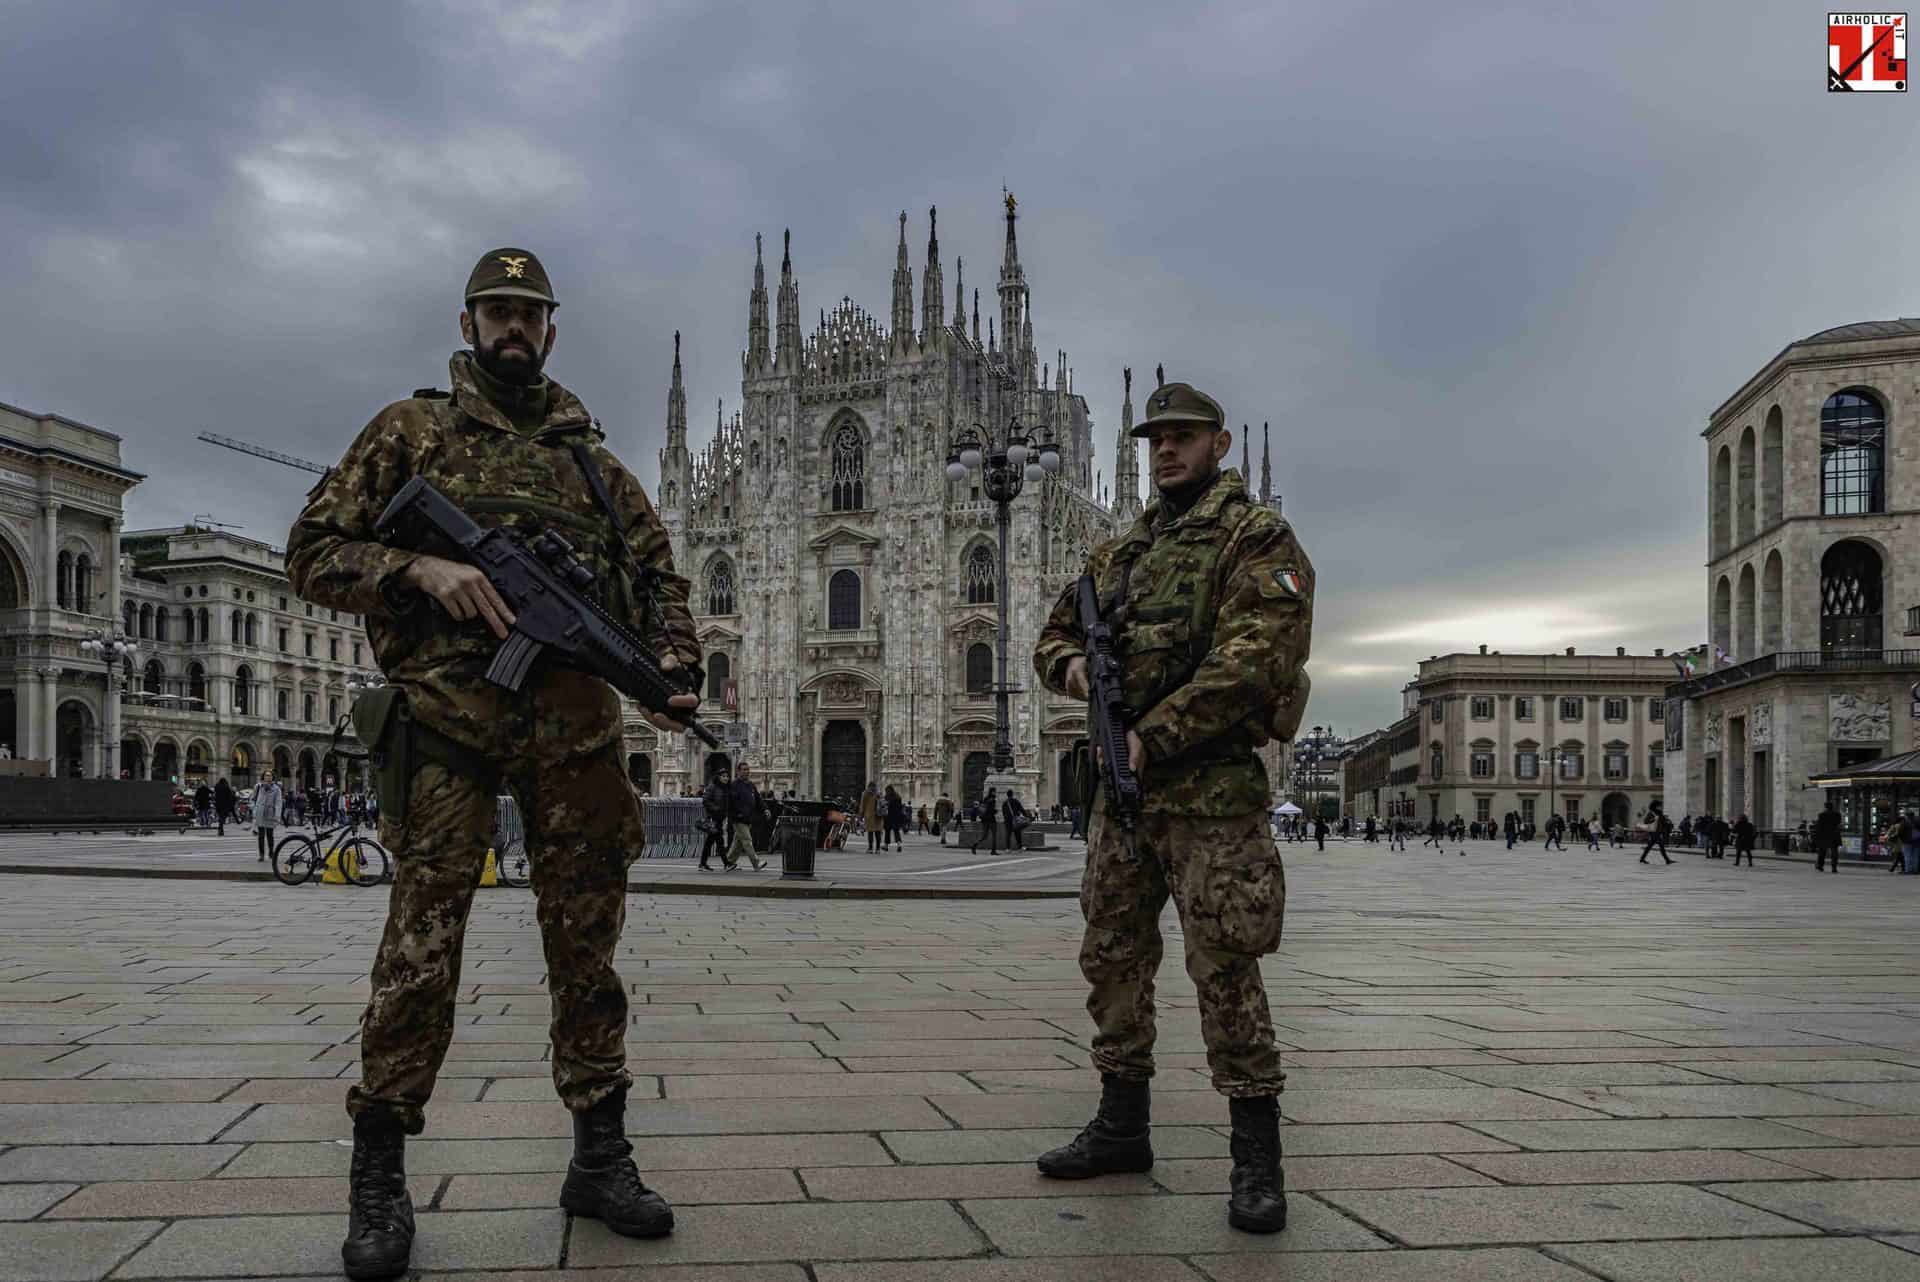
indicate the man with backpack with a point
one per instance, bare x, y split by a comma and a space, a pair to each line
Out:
1657, 829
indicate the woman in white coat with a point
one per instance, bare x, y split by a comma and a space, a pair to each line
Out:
267, 802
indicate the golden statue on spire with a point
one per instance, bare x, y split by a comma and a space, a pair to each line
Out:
1011, 203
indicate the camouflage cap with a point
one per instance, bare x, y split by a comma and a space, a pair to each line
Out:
1179, 403
513, 272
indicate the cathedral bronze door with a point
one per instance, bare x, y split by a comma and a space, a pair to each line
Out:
973, 775
843, 760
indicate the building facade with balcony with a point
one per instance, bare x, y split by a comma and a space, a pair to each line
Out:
1813, 489
234, 671
1578, 735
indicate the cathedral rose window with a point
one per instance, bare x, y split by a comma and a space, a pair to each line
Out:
720, 589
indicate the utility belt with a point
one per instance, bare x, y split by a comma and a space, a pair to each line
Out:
398, 745
1084, 780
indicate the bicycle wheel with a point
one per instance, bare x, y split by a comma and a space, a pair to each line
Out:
296, 859
364, 860
512, 864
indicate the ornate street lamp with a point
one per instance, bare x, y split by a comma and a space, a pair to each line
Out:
1005, 463
113, 648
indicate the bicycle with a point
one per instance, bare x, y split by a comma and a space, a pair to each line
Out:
298, 857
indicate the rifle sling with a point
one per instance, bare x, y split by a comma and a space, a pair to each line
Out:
584, 458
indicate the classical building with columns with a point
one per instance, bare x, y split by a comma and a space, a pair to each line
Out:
846, 591
1813, 551
61, 489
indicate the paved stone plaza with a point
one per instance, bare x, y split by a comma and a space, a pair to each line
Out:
1507, 1065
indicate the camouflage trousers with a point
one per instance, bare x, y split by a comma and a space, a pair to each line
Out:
583, 827
1230, 890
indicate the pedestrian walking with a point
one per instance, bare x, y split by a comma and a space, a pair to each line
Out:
1555, 826
743, 808
1743, 839
1593, 834
894, 811
1657, 828
267, 800
1435, 831
1320, 833
713, 815
1017, 817
1908, 831
942, 817
1826, 840
871, 815
203, 805
224, 801
920, 820
1513, 828
988, 816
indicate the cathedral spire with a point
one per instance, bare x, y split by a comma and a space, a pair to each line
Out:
1026, 335
1126, 468
933, 299
902, 293
787, 353
1013, 281
758, 355
1246, 468
990, 346
676, 403
960, 295
1266, 463
976, 318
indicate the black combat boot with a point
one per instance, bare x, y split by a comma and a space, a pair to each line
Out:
1258, 1205
602, 1181
379, 1210
1115, 1141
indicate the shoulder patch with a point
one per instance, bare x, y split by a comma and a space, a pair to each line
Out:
1290, 581
431, 394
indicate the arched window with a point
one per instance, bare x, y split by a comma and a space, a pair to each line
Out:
160, 618
843, 601
1772, 461
640, 771
63, 583
197, 682
253, 629
1743, 604
1722, 623
720, 588
1436, 761
980, 578
979, 668
1850, 597
849, 470
83, 584
719, 670
1853, 440
237, 627
206, 625
1721, 501
1772, 632
306, 707
13, 593
129, 619
243, 690
333, 709
1744, 498
153, 681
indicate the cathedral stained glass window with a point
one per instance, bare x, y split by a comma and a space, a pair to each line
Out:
843, 601
849, 470
980, 578
720, 588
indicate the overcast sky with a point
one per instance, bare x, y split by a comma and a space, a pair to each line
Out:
1485, 267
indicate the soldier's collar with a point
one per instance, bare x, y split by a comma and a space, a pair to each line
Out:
1227, 487
564, 410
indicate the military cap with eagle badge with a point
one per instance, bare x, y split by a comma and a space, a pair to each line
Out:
515, 273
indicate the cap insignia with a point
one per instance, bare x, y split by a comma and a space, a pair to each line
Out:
516, 267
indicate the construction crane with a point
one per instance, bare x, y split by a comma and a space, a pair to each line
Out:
261, 451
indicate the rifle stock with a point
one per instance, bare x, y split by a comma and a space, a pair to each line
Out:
543, 583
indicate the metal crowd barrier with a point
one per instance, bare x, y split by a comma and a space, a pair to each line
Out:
671, 827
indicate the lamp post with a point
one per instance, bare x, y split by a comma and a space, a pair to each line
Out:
1308, 752
113, 648
1006, 462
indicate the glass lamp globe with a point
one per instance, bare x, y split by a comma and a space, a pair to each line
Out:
1034, 472
1017, 453
970, 455
956, 470
1050, 458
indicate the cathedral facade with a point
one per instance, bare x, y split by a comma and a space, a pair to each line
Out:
846, 590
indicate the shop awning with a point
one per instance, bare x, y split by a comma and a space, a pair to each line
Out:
1903, 768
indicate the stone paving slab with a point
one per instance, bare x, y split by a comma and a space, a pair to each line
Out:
803, 1232
1753, 1260
1164, 1225
1496, 1264
264, 1245
1479, 1216
42, 1252
1844, 1206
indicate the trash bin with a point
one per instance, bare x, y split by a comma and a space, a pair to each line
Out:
796, 853
796, 833
1780, 842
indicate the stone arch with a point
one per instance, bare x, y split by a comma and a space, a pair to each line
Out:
199, 760
243, 690
1853, 595
197, 681
843, 600
640, 772
162, 622
1616, 810
719, 672
307, 769
1721, 502
1746, 488
1772, 627
282, 762
63, 579
166, 759
979, 672
16, 578
253, 628
75, 733
1772, 469
241, 765
1853, 453
1744, 594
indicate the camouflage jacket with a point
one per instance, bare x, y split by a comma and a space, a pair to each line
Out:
468, 449
1213, 637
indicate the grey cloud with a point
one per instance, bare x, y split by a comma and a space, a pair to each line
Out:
1486, 267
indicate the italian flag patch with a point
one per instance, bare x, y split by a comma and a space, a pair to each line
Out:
1290, 580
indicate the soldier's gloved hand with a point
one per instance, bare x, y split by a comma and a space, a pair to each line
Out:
462, 591
1075, 677
688, 701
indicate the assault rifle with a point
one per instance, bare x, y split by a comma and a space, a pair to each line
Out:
1107, 711
545, 585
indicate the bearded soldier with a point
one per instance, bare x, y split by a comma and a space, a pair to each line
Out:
1211, 603
514, 448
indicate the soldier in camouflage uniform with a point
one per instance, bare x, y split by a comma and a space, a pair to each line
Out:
1211, 599
499, 445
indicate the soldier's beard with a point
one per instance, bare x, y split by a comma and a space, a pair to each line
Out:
521, 368
1178, 498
